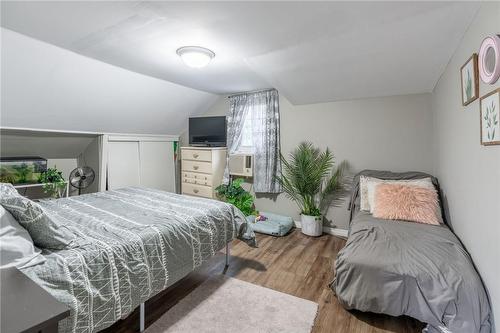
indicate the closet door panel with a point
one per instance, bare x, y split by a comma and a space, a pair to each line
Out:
123, 164
157, 165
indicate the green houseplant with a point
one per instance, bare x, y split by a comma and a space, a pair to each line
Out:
235, 194
54, 183
309, 178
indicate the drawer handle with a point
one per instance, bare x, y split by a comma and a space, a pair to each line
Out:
195, 155
196, 190
195, 167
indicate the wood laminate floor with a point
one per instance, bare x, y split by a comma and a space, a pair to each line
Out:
295, 264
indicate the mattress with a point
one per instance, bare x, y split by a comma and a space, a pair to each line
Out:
418, 270
132, 243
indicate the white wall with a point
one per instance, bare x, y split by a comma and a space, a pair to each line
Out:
47, 87
470, 173
389, 133
91, 157
65, 165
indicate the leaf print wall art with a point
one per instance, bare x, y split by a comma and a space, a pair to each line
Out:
490, 118
470, 80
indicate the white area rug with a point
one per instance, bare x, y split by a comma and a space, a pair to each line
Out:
223, 304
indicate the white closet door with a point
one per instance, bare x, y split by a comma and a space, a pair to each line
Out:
123, 164
157, 165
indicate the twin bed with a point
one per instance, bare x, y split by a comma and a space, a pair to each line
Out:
405, 268
132, 243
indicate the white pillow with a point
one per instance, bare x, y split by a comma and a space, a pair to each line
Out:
368, 184
16, 246
363, 194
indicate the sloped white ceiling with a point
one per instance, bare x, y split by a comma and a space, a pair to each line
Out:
47, 87
310, 51
48, 145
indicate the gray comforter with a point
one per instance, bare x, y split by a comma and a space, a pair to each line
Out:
132, 244
405, 268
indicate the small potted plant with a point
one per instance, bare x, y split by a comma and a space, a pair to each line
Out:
310, 179
53, 182
235, 194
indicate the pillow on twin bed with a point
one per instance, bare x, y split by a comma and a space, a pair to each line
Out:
409, 203
367, 188
43, 229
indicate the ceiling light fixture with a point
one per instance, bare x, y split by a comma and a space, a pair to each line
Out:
195, 56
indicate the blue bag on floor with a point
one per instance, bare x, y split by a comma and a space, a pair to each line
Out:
275, 225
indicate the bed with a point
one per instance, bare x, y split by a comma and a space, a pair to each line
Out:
132, 243
405, 268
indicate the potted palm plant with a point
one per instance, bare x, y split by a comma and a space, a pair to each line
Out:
309, 178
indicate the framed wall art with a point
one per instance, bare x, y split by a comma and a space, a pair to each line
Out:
489, 106
470, 80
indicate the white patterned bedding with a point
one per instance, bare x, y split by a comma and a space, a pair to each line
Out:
132, 243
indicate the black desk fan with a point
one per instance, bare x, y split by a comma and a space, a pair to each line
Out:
81, 177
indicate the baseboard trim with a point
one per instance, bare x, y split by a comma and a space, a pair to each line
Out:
328, 230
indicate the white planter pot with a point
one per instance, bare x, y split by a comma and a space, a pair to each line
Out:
311, 225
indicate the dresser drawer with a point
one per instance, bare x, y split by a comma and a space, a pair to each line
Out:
196, 166
197, 181
196, 178
196, 155
198, 190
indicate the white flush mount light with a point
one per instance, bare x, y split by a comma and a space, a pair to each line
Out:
195, 56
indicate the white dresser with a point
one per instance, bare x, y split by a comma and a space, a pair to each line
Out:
202, 170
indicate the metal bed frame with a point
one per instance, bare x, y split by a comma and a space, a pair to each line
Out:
142, 309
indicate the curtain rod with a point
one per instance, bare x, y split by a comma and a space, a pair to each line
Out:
251, 92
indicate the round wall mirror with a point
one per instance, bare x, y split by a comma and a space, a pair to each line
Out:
489, 59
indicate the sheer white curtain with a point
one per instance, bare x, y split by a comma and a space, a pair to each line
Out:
254, 127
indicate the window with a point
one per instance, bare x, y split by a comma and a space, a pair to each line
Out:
247, 146
254, 120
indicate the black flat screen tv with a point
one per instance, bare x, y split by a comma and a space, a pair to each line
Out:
207, 131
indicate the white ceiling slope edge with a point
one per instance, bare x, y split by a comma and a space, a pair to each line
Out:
44, 86
310, 51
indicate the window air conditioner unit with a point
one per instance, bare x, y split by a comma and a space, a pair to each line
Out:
241, 165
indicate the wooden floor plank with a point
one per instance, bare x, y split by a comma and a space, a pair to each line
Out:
295, 264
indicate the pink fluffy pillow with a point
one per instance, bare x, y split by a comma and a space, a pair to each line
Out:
409, 203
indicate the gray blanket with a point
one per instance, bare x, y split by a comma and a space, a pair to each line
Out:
132, 244
405, 268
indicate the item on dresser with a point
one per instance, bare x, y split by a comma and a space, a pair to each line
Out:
207, 131
202, 170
